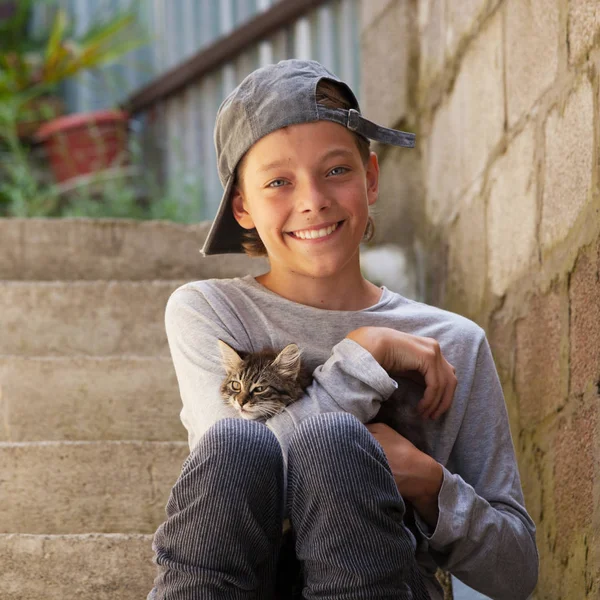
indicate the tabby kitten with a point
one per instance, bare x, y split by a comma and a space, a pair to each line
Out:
261, 384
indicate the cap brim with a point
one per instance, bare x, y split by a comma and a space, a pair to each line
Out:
225, 234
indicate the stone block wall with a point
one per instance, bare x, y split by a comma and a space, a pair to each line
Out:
499, 206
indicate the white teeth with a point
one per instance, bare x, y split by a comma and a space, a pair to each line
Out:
312, 234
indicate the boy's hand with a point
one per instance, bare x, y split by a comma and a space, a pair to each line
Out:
417, 475
409, 355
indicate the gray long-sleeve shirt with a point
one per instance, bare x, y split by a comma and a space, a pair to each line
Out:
484, 535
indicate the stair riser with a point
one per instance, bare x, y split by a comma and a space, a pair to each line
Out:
98, 567
81, 487
124, 249
91, 318
80, 398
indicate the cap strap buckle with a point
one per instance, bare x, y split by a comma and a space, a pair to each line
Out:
356, 122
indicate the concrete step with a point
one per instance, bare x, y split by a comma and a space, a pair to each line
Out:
95, 318
89, 398
83, 487
74, 567
123, 249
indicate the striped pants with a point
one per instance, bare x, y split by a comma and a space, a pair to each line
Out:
223, 536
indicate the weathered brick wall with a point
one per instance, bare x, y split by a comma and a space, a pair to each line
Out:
500, 204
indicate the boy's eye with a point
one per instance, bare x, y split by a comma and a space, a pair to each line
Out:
334, 168
273, 184
275, 181
235, 386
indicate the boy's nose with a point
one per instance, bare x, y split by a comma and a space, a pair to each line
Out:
313, 198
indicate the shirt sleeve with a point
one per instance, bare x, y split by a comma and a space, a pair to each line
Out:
484, 535
350, 380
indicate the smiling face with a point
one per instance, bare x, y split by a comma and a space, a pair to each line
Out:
307, 192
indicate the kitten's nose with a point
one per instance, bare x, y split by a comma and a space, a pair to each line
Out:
242, 399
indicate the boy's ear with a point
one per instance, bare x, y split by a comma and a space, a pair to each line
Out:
372, 175
238, 205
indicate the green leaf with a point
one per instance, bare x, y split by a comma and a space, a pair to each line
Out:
108, 30
11, 30
61, 22
104, 57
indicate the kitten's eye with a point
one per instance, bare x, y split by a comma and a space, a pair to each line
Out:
235, 386
259, 388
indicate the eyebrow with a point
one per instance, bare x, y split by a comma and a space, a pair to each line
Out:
333, 152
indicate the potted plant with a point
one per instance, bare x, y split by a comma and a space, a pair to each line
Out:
87, 142
30, 103
24, 105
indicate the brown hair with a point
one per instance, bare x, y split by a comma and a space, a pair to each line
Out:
331, 96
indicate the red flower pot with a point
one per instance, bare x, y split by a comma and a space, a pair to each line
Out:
85, 143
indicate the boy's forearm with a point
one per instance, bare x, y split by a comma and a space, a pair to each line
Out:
427, 473
371, 341
417, 475
429, 476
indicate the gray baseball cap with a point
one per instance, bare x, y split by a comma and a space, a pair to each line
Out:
268, 99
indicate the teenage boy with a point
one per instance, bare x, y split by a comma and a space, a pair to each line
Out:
399, 450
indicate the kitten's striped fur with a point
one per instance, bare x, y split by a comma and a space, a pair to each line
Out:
260, 384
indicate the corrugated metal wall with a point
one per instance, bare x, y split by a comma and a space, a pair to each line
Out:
178, 134
325, 34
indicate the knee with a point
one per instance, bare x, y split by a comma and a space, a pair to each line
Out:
330, 432
237, 441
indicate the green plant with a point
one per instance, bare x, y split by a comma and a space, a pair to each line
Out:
22, 193
140, 197
22, 196
33, 65
135, 193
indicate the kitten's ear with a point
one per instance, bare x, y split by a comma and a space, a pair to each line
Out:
231, 359
288, 361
